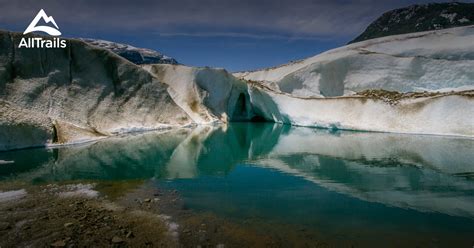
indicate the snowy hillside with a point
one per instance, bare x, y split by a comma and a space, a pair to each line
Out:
136, 55
440, 60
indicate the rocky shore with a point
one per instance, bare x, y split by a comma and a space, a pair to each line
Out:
109, 215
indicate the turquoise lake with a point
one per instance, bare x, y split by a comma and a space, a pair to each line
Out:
371, 188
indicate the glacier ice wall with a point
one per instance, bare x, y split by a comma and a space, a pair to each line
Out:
440, 115
87, 93
207, 95
83, 93
440, 60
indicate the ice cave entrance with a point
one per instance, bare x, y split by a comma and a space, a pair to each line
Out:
243, 111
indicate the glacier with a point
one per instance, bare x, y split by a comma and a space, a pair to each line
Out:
450, 114
337, 89
420, 83
84, 93
440, 60
207, 95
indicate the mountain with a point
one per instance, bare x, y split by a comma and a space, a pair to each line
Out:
135, 55
418, 18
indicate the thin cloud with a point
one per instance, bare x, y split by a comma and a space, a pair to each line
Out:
241, 35
255, 19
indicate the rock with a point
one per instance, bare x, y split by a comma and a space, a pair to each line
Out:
129, 235
419, 17
117, 240
220, 246
147, 200
59, 243
68, 224
4, 226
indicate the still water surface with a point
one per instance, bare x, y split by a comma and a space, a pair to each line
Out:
371, 188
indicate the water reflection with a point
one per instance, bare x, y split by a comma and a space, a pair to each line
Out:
425, 173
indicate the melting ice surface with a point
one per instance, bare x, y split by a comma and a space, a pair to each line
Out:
364, 185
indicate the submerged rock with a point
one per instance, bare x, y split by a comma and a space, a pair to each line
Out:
117, 240
4, 226
59, 243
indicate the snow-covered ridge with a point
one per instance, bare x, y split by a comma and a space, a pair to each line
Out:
424, 61
134, 54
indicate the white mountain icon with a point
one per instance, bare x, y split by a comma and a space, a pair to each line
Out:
47, 19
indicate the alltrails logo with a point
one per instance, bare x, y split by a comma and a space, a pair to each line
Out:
39, 42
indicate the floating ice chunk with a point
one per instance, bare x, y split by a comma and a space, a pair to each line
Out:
171, 226
12, 195
79, 190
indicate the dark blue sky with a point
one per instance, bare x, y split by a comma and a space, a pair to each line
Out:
233, 34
